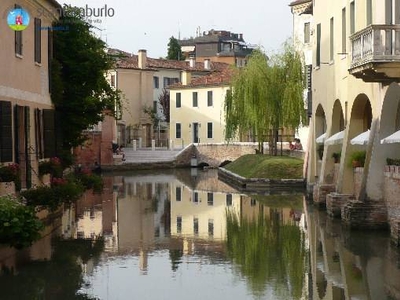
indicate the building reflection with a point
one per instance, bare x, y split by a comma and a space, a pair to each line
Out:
349, 264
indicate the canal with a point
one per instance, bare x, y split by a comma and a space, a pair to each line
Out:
183, 234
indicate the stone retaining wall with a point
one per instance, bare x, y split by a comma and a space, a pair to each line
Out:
320, 193
370, 214
392, 200
335, 202
260, 184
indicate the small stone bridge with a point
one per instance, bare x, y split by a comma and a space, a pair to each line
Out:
214, 155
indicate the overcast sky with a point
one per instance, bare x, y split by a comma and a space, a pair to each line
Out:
145, 24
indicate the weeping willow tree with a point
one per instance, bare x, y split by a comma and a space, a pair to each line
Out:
265, 96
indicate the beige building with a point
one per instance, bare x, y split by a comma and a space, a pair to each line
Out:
142, 80
26, 111
355, 89
197, 109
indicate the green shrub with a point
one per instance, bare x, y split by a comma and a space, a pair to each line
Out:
19, 226
52, 167
393, 161
90, 181
357, 158
52, 197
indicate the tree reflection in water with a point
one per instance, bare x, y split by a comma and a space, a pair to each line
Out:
60, 278
269, 253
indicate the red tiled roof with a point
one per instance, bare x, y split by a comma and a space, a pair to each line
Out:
126, 60
216, 78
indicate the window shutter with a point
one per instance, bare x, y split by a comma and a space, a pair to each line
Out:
6, 142
49, 133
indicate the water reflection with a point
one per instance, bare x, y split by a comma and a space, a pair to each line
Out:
158, 235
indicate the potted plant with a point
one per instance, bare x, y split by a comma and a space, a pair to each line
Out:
357, 159
336, 156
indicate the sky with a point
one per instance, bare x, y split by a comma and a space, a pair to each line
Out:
143, 24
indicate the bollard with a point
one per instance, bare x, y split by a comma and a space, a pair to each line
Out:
153, 145
134, 145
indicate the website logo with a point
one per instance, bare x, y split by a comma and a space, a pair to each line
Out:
18, 19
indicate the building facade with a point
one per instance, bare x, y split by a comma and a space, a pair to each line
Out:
142, 80
355, 90
26, 111
197, 109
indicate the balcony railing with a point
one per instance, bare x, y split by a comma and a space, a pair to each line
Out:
374, 44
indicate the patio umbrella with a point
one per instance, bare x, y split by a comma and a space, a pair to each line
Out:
391, 139
321, 138
361, 139
335, 139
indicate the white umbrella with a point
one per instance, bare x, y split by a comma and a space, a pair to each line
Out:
321, 138
391, 139
335, 139
361, 139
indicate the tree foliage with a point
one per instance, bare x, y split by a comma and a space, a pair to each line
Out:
174, 50
266, 95
80, 92
164, 101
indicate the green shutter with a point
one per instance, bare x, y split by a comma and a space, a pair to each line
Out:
49, 133
6, 141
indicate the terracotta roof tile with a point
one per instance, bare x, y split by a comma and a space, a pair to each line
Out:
126, 60
216, 78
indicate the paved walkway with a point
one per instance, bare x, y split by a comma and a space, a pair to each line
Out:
146, 155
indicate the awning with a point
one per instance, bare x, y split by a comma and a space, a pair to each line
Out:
361, 139
321, 138
392, 139
335, 139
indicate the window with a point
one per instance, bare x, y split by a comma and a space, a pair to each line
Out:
179, 224
306, 33
194, 99
209, 98
168, 81
6, 142
210, 199
369, 12
178, 99
210, 227
49, 55
155, 106
253, 202
209, 130
228, 199
38, 40
195, 226
178, 193
18, 39
331, 40
156, 82
113, 80
195, 197
344, 36
318, 54
178, 133
352, 18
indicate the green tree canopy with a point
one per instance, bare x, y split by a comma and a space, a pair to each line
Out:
80, 92
266, 95
174, 50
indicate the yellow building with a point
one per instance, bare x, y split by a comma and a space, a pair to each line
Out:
26, 112
197, 109
354, 89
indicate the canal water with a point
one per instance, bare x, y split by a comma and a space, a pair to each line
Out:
183, 234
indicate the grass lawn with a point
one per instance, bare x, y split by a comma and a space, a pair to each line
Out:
265, 166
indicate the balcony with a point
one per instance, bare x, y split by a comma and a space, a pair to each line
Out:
376, 53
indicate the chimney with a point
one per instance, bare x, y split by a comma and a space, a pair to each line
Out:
207, 64
192, 62
142, 59
186, 78
240, 36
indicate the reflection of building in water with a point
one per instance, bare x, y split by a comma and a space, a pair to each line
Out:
199, 213
350, 264
94, 215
